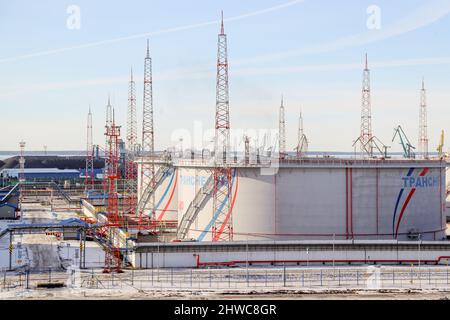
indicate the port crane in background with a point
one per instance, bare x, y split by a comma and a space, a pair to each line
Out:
440, 148
404, 141
370, 145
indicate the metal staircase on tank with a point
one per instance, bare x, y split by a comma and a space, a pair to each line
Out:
160, 175
203, 194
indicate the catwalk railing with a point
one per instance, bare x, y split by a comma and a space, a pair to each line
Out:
315, 162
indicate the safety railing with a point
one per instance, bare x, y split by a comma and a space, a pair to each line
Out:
277, 278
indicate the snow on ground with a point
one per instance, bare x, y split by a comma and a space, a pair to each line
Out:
135, 293
40, 251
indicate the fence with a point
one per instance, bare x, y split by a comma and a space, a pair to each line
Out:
239, 278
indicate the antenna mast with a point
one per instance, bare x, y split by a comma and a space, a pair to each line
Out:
147, 152
222, 229
282, 131
89, 173
366, 140
423, 127
130, 200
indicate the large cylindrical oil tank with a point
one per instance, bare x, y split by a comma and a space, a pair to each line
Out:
339, 199
165, 197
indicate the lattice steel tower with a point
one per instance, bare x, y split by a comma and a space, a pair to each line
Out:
130, 200
112, 254
366, 114
282, 131
108, 123
423, 126
147, 151
89, 173
222, 125
131, 116
222, 229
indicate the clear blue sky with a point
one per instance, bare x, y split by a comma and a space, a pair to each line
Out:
311, 51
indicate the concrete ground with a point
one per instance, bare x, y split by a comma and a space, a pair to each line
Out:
40, 251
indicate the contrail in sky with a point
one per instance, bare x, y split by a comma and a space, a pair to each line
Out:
149, 34
239, 72
425, 15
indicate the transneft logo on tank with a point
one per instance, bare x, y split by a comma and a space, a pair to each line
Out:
191, 180
198, 180
420, 182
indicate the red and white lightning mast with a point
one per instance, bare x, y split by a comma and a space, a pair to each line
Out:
108, 123
282, 131
423, 126
222, 229
112, 256
366, 114
89, 173
130, 200
147, 151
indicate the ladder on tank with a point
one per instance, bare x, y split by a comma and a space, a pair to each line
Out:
160, 175
203, 194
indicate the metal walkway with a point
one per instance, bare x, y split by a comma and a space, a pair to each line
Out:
199, 201
55, 187
43, 227
10, 191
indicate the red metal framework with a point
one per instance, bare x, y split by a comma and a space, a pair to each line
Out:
222, 229
112, 256
89, 172
148, 167
108, 123
222, 121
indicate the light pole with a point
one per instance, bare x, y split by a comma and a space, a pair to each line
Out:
307, 257
334, 238
418, 254
246, 265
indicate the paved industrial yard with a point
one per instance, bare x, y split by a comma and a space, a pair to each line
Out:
56, 262
40, 251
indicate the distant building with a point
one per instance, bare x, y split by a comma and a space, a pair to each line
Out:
9, 202
41, 174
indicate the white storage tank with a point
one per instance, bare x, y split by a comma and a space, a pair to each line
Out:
324, 199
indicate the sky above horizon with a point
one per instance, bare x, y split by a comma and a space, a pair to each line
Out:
310, 51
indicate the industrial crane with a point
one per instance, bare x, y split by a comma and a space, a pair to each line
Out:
370, 145
404, 141
440, 147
